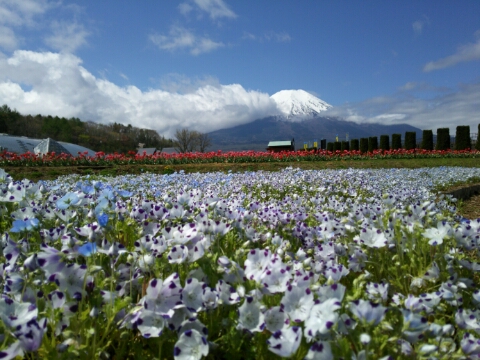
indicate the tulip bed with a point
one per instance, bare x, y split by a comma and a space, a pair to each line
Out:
102, 159
300, 264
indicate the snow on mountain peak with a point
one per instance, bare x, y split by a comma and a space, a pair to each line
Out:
298, 104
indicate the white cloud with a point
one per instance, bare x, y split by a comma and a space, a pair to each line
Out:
67, 36
181, 38
185, 8
181, 84
215, 8
419, 25
460, 107
22, 12
16, 14
8, 40
58, 85
279, 37
464, 53
268, 36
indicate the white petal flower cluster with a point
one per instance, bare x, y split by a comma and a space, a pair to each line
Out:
329, 264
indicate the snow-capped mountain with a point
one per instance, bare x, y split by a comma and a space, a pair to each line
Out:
297, 105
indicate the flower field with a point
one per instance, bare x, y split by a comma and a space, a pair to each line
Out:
101, 159
301, 264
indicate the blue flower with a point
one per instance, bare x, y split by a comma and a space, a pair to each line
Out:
88, 249
21, 225
67, 200
102, 219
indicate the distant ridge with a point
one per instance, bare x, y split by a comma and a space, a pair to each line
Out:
257, 134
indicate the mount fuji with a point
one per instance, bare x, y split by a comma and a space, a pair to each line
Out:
299, 116
297, 105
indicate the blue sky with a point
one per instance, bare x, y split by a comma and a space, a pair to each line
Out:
210, 64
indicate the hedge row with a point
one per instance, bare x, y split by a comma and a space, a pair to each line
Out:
462, 141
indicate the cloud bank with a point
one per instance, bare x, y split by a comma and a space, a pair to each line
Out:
445, 110
57, 84
464, 53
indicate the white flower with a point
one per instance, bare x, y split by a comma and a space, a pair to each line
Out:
297, 302
320, 350
275, 319
322, 318
178, 254
372, 237
190, 346
250, 317
436, 235
150, 324
285, 342
192, 295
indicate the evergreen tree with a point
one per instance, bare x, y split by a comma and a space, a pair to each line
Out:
354, 145
477, 144
372, 143
443, 139
462, 138
410, 140
427, 140
384, 142
363, 145
396, 141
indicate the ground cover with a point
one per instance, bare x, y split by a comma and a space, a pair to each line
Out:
314, 264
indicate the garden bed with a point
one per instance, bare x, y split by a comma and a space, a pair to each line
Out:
352, 263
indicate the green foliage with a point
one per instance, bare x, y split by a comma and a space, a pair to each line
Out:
427, 140
462, 138
363, 145
384, 142
354, 144
345, 146
396, 141
477, 144
410, 140
330, 146
337, 146
372, 143
443, 139
107, 138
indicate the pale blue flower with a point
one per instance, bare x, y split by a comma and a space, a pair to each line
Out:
24, 225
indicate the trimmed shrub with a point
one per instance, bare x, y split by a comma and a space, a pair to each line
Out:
462, 138
337, 145
384, 142
345, 146
363, 145
330, 146
396, 141
477, 145
427, 140
372, 143
410, 140
355, 144
443, 139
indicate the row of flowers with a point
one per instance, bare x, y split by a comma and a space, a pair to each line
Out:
100, 158
325, 264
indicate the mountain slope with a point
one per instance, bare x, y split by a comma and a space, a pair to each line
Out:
257, 134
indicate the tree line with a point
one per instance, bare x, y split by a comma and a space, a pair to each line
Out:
109, 138
443, 141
